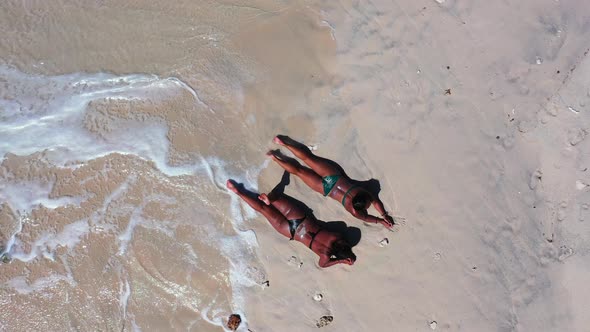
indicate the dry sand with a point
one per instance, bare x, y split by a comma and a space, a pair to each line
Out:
492, 176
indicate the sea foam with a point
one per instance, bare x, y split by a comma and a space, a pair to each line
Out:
46, 113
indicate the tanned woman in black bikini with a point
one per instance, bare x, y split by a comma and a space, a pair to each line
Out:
294, 222
328, 178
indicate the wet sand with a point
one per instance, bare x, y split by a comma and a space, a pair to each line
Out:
120, 122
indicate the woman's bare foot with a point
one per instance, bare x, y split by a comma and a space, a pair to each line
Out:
231, 186
263, 197
278, 140
274, 154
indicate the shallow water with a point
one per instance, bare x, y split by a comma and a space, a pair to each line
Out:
98, 181
119, 125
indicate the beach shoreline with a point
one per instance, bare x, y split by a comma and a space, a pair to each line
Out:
118, 136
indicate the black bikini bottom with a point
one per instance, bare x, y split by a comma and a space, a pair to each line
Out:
293, 225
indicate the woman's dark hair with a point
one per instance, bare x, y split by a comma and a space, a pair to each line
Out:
342, 250
360, 200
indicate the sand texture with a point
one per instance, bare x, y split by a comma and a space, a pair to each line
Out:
121, 120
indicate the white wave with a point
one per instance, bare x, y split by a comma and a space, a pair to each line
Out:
135, 326
124, 293
24, 196
125, 237
40, 113
46, 244
21, 285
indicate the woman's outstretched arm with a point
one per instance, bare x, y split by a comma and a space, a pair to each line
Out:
325, 261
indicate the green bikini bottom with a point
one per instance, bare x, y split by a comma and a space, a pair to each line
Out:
329, 182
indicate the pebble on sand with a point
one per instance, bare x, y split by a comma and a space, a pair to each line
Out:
318, 297
234, 322
324, 321
384, 242
433, 325
5, 258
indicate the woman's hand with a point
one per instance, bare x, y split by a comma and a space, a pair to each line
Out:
388, 221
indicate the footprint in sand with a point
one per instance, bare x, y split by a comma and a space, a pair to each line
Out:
552, 109
562, 211
324, 321
508, 142
548, 231
548, 254
584, 210
535, 179
433, 325
399, 221
512, 225
575, 136
295, 262
524, 126
257, 275
581, 185
565, 252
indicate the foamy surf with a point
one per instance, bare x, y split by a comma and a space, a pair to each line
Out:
47, 117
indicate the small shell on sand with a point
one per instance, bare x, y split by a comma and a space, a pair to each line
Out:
384, 242
433, 325
324, 321
571, 109
318, 297
234, 322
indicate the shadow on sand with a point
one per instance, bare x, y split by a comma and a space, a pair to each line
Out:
351, 234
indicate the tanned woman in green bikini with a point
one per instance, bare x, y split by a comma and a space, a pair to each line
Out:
294, 222
329, 179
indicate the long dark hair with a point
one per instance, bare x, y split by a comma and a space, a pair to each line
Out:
360, 200
342, 250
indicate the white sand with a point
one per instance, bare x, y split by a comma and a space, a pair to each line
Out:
492, 177
490, 244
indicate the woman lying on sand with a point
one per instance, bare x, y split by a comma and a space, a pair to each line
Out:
328, 178
294, 222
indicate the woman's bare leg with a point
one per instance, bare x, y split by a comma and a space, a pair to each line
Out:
322, 166
290, 209
311, 178
274, 216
